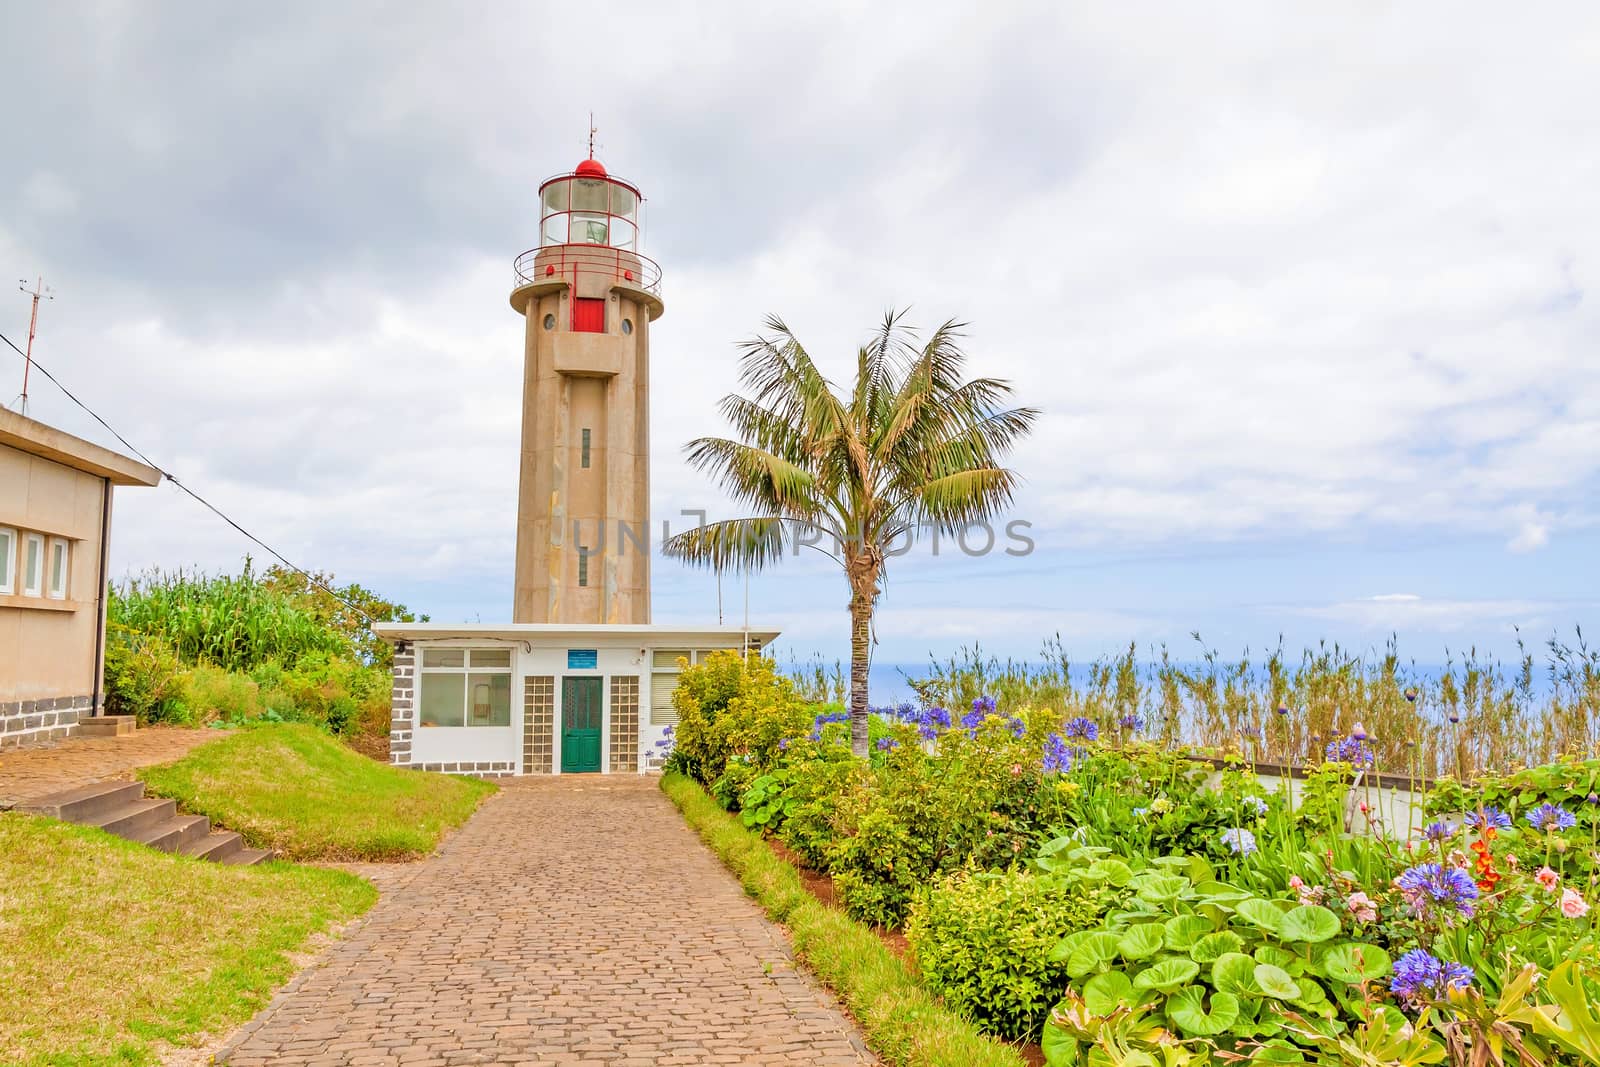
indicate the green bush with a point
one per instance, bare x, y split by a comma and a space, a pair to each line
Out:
732, 705
211, 693
983, 941
143, 678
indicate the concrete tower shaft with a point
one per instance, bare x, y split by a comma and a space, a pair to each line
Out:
583, 506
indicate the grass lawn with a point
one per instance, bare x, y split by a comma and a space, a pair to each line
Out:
296, 789
108, 948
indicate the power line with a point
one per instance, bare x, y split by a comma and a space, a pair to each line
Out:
202, 500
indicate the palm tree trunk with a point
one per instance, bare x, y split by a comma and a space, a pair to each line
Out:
860, 651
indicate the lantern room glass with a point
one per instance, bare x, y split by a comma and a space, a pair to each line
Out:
594, 211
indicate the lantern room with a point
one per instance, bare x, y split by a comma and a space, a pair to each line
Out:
589, 207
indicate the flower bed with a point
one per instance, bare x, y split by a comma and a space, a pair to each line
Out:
1062, 881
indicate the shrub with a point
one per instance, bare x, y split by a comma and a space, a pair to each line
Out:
732, 705
143, 678
213, 693
983, 941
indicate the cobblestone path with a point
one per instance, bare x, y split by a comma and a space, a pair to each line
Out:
572, 920
33, 771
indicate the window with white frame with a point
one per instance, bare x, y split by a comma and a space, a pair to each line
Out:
8, 560
664, 670
465, 687
32, 564
60, 558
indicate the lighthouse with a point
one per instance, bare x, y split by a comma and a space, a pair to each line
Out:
588, 296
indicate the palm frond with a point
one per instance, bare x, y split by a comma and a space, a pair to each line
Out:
733, 544
753, 475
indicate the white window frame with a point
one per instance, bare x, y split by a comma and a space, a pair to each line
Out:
54, 591
667, 716
8, 556
37, 588
465, 673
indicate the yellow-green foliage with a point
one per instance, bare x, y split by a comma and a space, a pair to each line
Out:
983, 942
904, 1024
295, 789
111, 948
732, 705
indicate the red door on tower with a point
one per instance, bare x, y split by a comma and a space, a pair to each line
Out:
588, 315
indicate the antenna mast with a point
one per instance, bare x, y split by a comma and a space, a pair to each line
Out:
39, 290
592, 132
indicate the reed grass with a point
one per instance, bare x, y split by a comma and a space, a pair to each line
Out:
1475, 714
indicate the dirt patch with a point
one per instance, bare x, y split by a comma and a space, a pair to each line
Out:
373, 746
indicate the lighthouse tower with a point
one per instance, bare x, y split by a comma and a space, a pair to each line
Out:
583, 507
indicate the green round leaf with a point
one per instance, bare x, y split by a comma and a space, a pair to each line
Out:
1111, 871
1353, 963
1258, 912
1142, 942
1093, 952
1104, 992
1219, 892
1173, 862
1167, 975
1276, 982
1309, 922
1184, 930
1279, 957
1277, 1051
1234, 972
1210, 947
1160, 888
1187, 1010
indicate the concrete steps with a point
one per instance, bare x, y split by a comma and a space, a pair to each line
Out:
121, 808
106, 726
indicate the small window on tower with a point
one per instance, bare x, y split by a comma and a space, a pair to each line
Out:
584, 462
583, 566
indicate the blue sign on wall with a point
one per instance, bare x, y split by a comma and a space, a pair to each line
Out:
582, 659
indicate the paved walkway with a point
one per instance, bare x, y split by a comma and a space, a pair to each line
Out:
572, 920
37, 770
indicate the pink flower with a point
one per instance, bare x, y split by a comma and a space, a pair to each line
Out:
1296, 882
1362, 909
1548, 879
1572, 905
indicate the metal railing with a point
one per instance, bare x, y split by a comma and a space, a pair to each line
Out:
620, 266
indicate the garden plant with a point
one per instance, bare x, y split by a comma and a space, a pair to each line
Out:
1076, 879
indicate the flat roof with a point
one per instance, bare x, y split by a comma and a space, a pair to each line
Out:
660, 633
47, 442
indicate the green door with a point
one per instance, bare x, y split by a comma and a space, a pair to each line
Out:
580, 724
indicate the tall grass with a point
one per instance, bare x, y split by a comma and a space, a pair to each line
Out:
1475, 714
236, 622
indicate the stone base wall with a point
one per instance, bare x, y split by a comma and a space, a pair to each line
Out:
402, 701
51, 719
496, 769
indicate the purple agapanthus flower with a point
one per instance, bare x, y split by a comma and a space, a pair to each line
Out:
1058, 755
1082, 729
783, 744
1131, 723
1256, 804
1240, 842
1420, 977
984, 705
1490, 818
1018, 727
1551, 817
886, 743
931, 722
973, 719
1439, 832
1433, 887
1351, 750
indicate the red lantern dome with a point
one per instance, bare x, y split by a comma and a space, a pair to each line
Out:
590, 168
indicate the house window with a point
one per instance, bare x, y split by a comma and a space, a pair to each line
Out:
60, 555
32, 564
8, 560
664, 671
465, 687
583, 566
584, 462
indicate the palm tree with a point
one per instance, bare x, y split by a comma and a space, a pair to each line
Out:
912, 446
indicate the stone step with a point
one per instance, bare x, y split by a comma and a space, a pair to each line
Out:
216, 846
107, 726
174, 833
247, 857
86, 801
130, 818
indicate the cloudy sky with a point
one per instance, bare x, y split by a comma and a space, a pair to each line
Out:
1308, 302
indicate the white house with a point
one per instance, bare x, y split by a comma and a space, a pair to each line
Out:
542, 698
